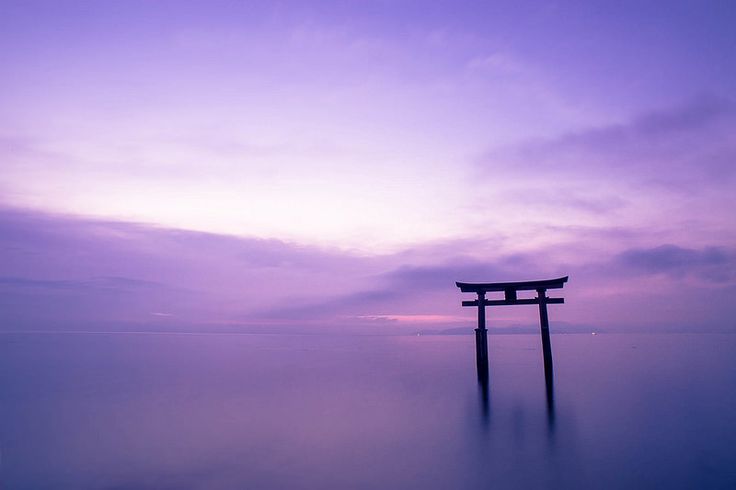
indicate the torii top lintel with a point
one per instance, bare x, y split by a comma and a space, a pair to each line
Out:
469, 287
509, 289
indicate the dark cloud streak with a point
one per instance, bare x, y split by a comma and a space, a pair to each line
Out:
711, 263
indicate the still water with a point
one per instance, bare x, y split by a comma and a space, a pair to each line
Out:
191, 411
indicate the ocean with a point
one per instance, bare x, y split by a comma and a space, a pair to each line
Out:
238, 411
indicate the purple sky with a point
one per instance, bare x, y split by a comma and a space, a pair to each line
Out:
308, 165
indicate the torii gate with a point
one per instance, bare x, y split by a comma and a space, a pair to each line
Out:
510, 289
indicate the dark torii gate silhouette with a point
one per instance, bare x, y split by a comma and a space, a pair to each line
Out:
510, 290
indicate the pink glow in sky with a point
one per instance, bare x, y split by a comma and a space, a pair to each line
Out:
196, 161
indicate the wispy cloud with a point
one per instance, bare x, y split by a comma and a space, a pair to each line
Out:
689, 143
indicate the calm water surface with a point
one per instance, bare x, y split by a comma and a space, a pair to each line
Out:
155, 411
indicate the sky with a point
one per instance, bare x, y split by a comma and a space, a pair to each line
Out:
338, 165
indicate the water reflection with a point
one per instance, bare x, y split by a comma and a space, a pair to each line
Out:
484, 392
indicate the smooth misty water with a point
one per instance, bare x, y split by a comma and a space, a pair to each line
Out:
147, 411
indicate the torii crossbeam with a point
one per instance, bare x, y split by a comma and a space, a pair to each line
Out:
510, 290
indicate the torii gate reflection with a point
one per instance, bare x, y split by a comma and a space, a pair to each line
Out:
510, 298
